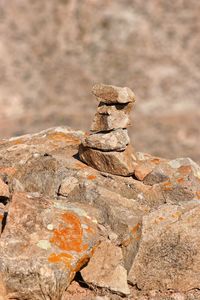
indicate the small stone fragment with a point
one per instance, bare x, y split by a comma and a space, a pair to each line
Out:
119, 163
105, 269
116, 140
112, 94
67, 186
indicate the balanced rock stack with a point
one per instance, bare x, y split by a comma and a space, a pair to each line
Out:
108, 148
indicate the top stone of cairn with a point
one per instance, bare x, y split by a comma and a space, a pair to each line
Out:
110, 94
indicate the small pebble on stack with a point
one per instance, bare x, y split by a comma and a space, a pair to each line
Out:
108, 148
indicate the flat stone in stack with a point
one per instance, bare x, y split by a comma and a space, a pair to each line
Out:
107, 148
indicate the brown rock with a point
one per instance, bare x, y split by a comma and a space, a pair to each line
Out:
116, 140
105, 269
119, 163
43, 245
112, 94
169, 251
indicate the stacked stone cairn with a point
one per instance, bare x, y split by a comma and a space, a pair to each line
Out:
107, 148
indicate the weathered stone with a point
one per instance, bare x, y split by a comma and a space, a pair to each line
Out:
116, 140
68, 185
112, 94
169, 251
119, 163
44, 244
105, 269
4, 190
105, 122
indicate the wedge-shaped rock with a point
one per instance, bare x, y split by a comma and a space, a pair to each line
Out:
106, 270
116, 140
43, 245
169, 251
112, 94
119, 163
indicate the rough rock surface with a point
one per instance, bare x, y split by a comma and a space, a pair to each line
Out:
106, 269
59, 210
111, 94
116, 140
118, 163
43, 245
168, 256
106, 122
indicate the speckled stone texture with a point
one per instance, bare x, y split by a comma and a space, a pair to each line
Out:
56, 210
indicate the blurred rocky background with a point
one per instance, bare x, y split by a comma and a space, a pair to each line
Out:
53, 51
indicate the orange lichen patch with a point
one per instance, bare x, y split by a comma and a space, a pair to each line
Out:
1, 217
198, 194
69, 235
63, 137
65, 258
167, 186
185, 170
156, 161
7, 170
135, 229
176, 214
91, 177
180, 180
81, 263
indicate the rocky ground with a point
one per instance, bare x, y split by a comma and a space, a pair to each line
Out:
52, 52
69, 231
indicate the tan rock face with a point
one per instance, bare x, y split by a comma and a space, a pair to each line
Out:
169, 251
111, 94
106, 269
104, 122
50, 241
119, 163
116, 140
68, 208
109, 117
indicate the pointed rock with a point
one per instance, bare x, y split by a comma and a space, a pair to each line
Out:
116, 140
119, 163
112, 94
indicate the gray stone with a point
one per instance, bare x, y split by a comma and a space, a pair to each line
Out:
116, 140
